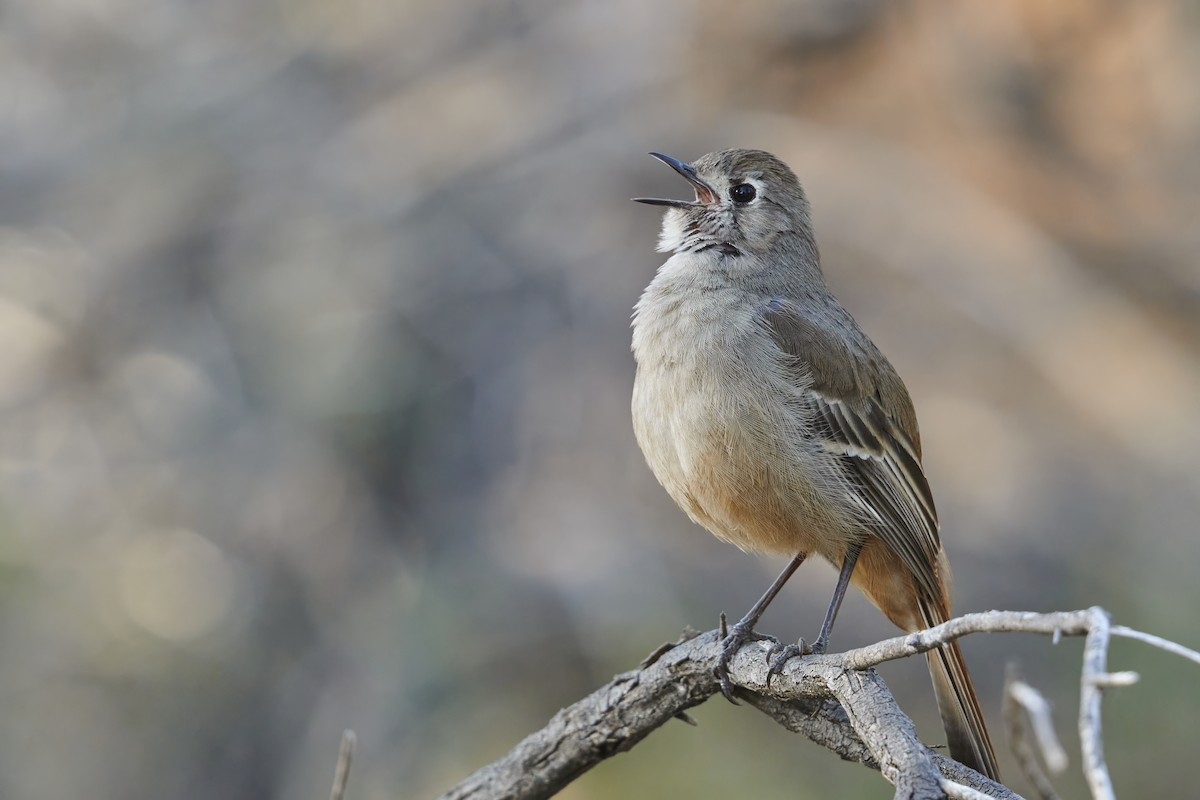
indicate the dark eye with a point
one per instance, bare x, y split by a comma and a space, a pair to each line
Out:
743, 193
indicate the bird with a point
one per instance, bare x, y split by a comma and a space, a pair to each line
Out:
773, 420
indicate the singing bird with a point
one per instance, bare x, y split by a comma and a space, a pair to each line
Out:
774, 421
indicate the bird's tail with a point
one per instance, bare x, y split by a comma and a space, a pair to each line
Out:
966, 732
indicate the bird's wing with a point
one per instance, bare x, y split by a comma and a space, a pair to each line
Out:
862, 413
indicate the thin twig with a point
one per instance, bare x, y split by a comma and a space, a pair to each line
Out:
342, 774
1069, 623
1038, 711
1027, 716
1156, 641
957, 791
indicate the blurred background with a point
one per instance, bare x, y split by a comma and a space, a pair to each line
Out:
315, 370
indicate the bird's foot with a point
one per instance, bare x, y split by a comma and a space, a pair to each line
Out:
733, 637
782, 655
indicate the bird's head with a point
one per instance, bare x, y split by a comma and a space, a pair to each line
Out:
745, 200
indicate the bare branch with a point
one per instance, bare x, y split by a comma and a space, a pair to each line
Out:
617, 716
823, 721
342, 774
957, 791
888, 733
1027, 716
610, 720
1095, 653
1156, 641
1038, 711
1058, 623
834, 699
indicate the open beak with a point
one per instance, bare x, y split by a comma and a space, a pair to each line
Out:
704, 193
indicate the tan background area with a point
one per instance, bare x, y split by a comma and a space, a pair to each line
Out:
315, 374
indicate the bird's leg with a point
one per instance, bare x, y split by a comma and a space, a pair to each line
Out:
822, 642
743, 632
839, 593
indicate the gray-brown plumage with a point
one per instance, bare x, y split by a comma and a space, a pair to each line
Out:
775, 423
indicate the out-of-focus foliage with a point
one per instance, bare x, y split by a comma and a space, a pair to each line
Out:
314, 378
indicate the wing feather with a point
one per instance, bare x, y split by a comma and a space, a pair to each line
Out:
852, 418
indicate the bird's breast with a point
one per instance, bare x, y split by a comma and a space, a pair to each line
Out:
720, 420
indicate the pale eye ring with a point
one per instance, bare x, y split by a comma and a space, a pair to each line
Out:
743, 193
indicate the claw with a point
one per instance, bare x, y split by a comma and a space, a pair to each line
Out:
736, 636
727, 688
784, 655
